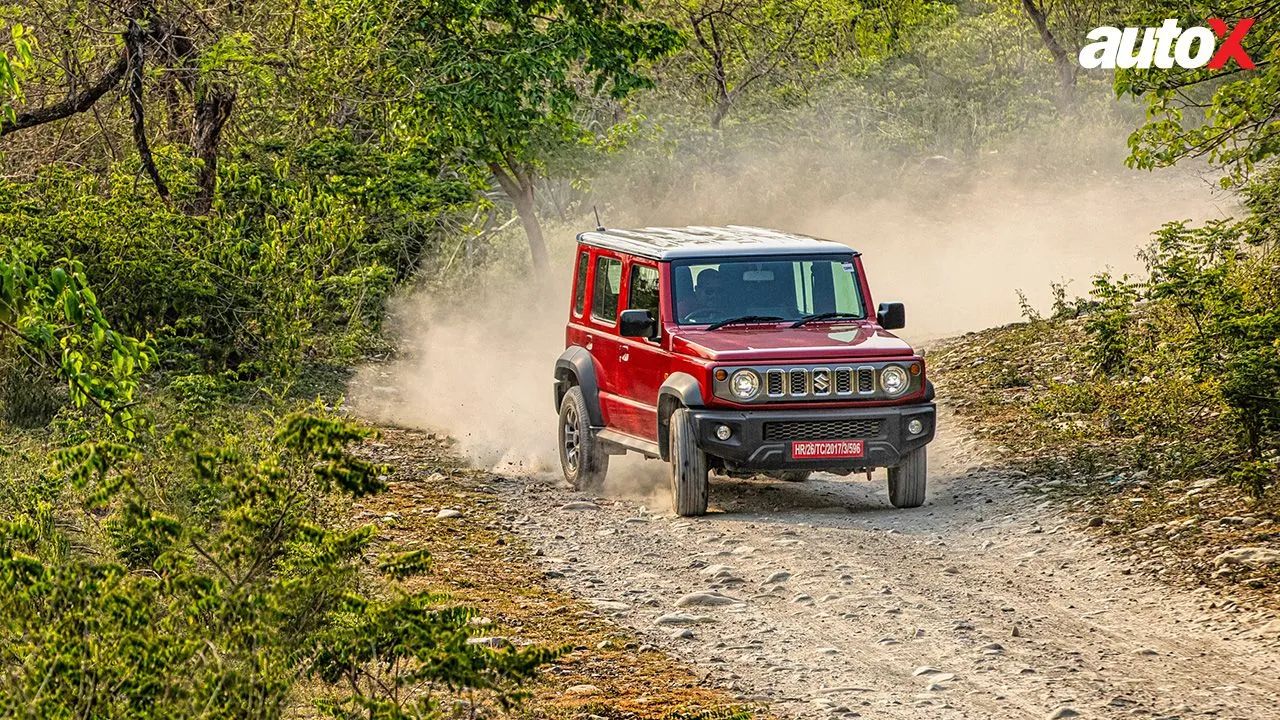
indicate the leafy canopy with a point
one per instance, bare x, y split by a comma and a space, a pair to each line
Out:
1230, 116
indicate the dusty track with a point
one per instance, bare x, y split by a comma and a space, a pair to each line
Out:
981, 604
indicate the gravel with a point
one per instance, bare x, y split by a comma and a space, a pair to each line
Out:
1007, 609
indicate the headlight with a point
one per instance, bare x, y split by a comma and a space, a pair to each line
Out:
894, 380
745, 384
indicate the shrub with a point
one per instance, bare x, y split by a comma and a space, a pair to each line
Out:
229, 572
1187, 360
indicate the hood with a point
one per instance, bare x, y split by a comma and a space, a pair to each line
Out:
817, 341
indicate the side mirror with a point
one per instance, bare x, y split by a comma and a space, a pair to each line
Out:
637, 323
891, 316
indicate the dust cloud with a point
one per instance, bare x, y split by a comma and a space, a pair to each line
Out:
955, 243
478, 367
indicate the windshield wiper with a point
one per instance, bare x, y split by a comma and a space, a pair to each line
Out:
825, 316
745, 319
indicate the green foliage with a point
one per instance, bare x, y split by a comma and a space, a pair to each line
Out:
136, 553
764, 55
227, 569
501, 76
1110, 315
1185, 362
291, 270
11, 68
1231, 296
412, 648
1228, 116
56, 323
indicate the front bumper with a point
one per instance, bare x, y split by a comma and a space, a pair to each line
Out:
748, 449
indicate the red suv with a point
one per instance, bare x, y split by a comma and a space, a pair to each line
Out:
740, 349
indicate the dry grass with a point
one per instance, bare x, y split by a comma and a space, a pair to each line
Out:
481, 564
1014, 386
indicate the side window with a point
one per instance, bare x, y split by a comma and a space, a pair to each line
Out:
643, 292
580, 295
604, 303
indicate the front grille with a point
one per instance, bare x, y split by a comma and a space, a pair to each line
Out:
866, 380
821, 430
844, 381
811, 383
773, 383
803, 383
798, 384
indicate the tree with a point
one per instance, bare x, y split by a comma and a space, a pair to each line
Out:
738, 46
1229, 116
1064, 62
502, 84
187, 58
1061, 24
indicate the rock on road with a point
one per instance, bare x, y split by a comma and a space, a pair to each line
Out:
821, 600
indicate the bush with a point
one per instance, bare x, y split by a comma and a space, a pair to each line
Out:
165, 574
295, 267
219, 561
1187, 359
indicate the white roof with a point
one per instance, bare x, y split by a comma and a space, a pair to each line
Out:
662, 243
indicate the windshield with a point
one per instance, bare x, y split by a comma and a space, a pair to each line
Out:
708, 292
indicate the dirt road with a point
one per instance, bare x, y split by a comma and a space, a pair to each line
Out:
823, 601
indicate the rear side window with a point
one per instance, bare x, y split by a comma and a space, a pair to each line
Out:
643, 292
580, 295
604, 303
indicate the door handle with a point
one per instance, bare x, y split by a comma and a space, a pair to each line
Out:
625, 355
589, 341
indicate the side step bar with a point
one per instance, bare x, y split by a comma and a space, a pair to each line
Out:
626, 442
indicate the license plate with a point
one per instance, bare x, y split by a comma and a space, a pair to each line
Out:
819, 449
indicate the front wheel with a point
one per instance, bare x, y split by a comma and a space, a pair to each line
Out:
907, 481
688, 467
582, 459
792, 475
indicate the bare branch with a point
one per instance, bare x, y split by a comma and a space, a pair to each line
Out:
74, 104
133, 51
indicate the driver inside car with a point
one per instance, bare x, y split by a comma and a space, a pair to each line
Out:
709, 297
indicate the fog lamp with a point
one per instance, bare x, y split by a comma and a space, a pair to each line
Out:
723, 432
915, 427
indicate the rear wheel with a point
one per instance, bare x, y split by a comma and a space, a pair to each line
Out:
688, 467
582, 459
792, 475
907, 481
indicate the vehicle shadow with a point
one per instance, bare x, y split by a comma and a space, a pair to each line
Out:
827, 499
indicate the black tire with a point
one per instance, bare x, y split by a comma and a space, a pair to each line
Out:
582, 459
688, 467
907, 481
792, 475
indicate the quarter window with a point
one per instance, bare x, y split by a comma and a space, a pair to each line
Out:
643, 292
604, 302
580, 294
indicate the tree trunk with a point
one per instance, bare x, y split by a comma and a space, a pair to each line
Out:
212, 112
532, 229
1062, 61
717, 115
518, 186
719, 75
